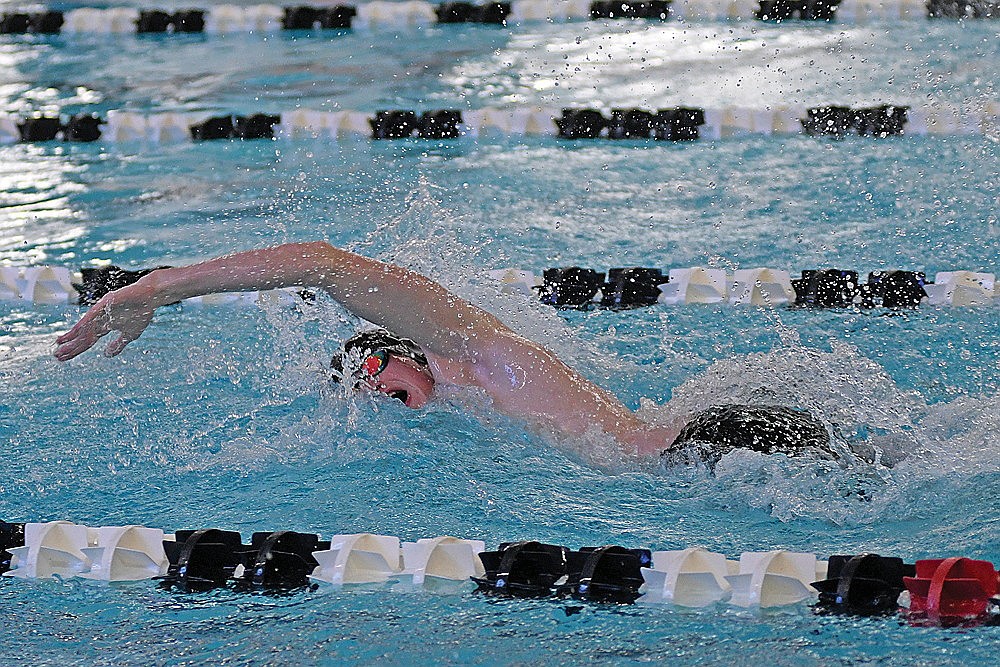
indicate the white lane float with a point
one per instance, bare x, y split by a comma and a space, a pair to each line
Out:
53, 549
761, 287
961, 288
37, 284
694, 285
516, 280
359, 558
692, 577
442, 558
775, 578
126, 553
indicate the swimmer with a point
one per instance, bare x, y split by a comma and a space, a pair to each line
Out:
442, 339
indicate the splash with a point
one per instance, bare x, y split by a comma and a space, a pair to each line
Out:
895, 446
853, 394
427, 238
295, 360
898, 453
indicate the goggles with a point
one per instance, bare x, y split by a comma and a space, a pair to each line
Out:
375, 363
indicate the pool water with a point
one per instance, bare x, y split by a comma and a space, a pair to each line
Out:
220, 417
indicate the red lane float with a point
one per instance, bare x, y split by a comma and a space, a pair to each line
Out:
947, 589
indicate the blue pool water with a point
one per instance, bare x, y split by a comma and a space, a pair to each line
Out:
219, 416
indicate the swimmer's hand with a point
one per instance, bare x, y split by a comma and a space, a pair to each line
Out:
128, 311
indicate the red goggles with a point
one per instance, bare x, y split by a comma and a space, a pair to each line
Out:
375, 363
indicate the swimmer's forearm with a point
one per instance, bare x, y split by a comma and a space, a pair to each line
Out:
289, 265
391, 296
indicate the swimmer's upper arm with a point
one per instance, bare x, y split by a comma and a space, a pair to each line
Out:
529, 381
407, 303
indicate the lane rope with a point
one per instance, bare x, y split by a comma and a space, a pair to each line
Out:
940, 591
269, 18
665, 125
578, 287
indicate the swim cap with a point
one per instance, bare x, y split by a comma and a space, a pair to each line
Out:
365, 343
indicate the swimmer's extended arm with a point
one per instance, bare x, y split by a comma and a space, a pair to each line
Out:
391, 296
523, 378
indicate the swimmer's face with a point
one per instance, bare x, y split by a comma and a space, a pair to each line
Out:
405, 380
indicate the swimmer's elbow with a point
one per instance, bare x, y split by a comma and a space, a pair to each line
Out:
322, 259
328, 256
316, 249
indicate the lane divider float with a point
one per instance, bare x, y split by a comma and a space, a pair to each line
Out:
270, 18
577, 287
635, 287
940, 591
671, 125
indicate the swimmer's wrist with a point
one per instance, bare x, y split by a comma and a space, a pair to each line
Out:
160, 288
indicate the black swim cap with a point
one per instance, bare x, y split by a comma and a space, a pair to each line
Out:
366, 343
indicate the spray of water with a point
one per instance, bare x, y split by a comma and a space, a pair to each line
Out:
894, 446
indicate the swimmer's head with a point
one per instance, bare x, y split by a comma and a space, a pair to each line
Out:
388, 364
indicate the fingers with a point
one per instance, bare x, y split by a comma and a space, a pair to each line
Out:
111, 313
72, 347
83, 335
77, 340
128, 334
116, 346
74, 332
95, 315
